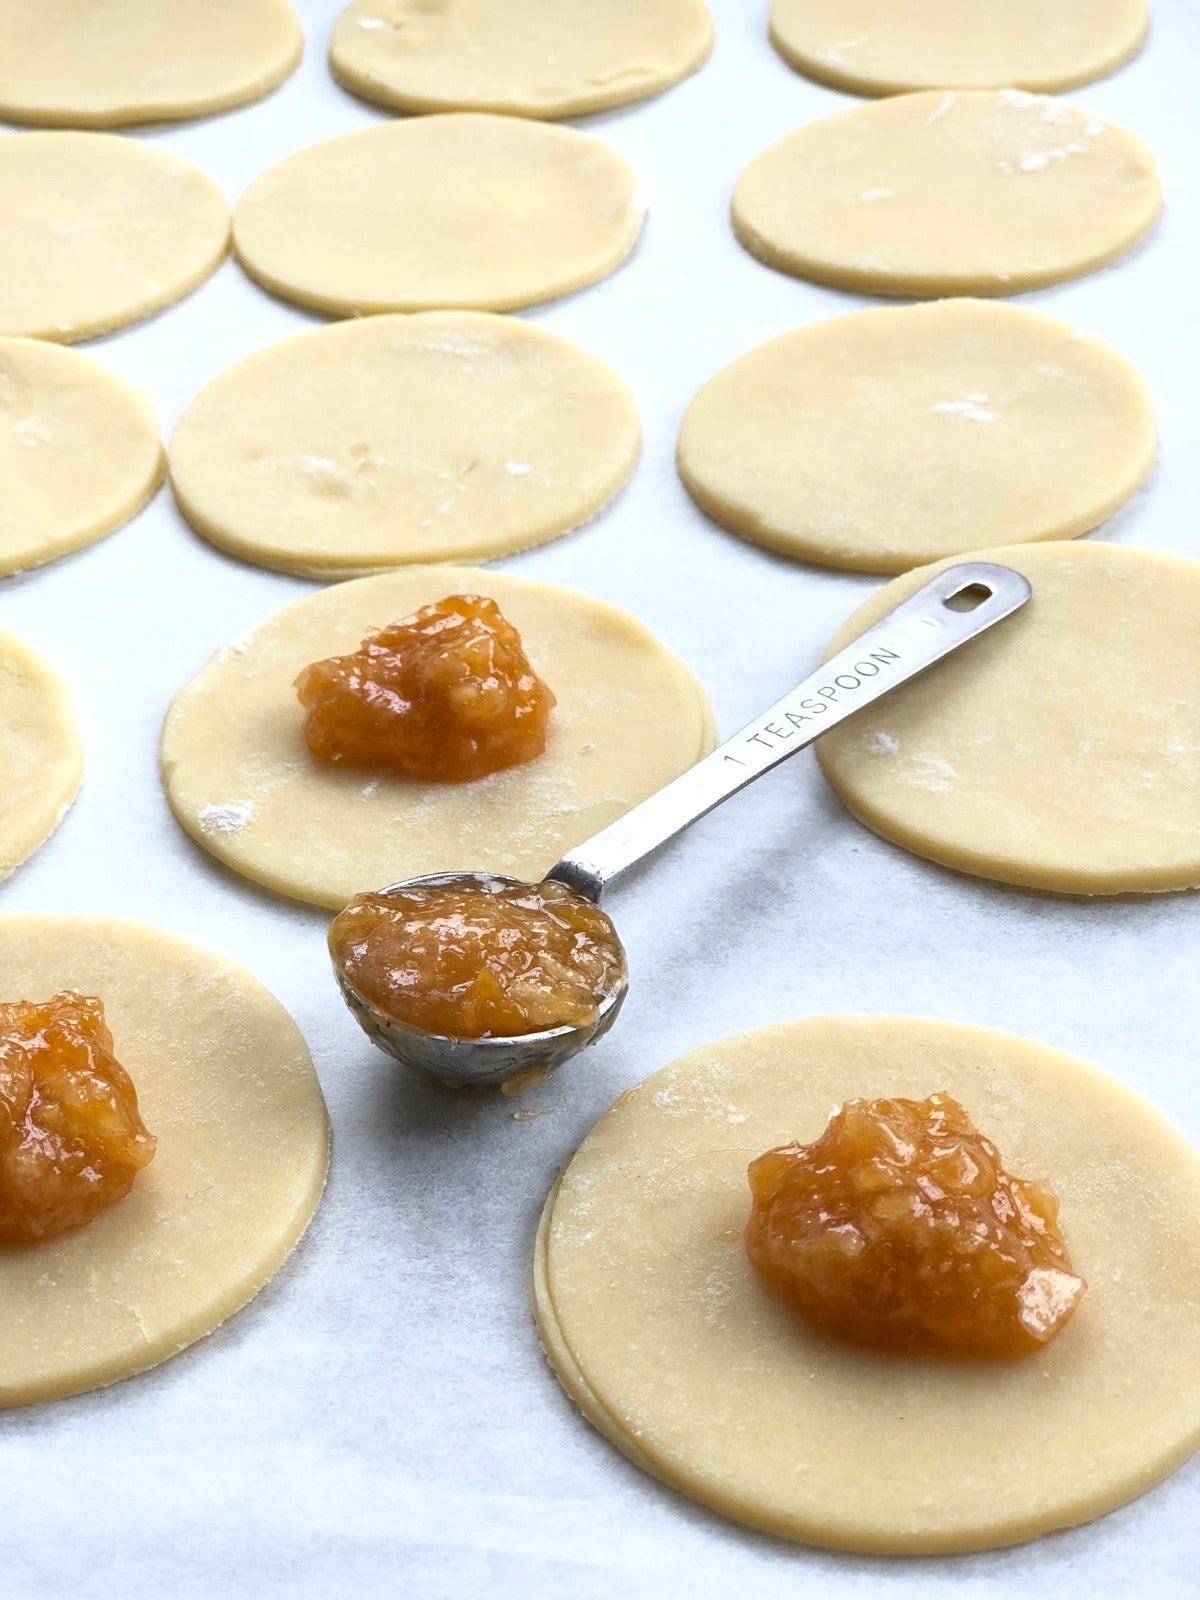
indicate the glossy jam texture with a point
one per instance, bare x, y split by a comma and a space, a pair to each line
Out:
898, 1229
472, 962
71, 1138
444, 696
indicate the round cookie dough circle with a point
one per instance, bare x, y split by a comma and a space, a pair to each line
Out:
79, 452
226, 1084
630, 717
469, 212
108, 63
663, 1334
1058, 752
372, 444
529, 58
876, 47
145, 227
887, 438
948, 193
41, 753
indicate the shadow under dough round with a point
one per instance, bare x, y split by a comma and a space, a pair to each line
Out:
886, 438
396, 439
877, 47
630, 716
145, 226
665, 1337
41, 752
79, 452
80, 63
475, 212
531, 58
948, 193
226, 1084
1058, 752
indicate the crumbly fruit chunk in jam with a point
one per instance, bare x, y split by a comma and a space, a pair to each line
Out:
900, 1230
470, 961
71, 1138
444, 696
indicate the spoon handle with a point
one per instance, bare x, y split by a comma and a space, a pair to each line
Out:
959, 604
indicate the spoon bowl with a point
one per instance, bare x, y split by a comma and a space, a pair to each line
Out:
488, 1060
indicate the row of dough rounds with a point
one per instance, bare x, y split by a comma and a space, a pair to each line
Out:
926, 194
872, 441
978, 765
110, 63
477, 211
76, 63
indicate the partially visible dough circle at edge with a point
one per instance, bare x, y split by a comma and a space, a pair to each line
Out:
875, 47
113, 64
1059, 751
531, 58
226, 1084
41, 752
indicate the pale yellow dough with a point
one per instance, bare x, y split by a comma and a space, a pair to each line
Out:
531, 58
1061, 751
944, 193
880, 47
475, 212
100, 230
630, 717
79, 452
882, 439
371, 444
226, 1084
106, 63
662, 1333
41, 753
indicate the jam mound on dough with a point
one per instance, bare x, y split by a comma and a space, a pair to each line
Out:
71, 1138
446, 695
899, 1230
473, 960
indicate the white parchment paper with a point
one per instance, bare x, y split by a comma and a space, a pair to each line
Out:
381, 1422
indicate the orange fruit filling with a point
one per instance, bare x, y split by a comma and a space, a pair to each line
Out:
71, 1137
471, 962
444, 696
899, 1230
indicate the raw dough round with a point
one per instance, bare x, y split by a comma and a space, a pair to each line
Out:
104, 63
948, 193
530, 58
226, 1083
41, 753
371, 444
878, 47
1058, 752
439, 212
662, 1333
79, 452
100, 230
882, 439
630, 717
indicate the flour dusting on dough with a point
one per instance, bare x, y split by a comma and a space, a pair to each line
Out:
228, 818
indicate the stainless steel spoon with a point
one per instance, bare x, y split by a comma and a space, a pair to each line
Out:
958, 605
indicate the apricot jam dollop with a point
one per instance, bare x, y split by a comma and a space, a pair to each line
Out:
476, 958
444, 696
899, 1229
71, 1138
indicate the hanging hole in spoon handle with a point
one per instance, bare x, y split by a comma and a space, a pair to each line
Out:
953, 608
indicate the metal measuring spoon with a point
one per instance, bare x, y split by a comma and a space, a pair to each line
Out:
951, 609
